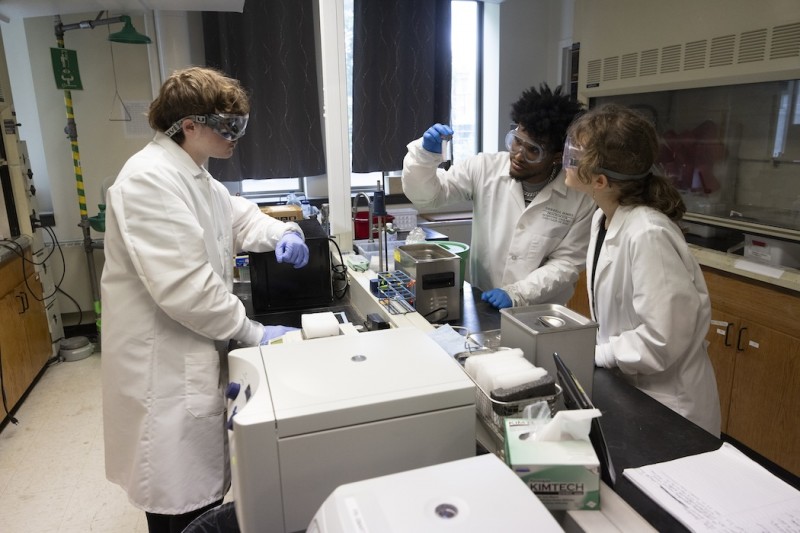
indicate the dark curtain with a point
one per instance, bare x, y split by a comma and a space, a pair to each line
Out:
401, 77
270, 49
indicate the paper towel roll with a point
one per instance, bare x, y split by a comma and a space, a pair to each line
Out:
317, 325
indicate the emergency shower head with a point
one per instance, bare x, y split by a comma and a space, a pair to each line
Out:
128, 34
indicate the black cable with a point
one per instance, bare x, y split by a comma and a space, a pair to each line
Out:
438, 309
339, 272
21, 254
18, 250
57, 288
80, 311
63, 261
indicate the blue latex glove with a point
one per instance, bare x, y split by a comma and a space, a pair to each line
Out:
291, 249
498, 298
273, 332
432, 138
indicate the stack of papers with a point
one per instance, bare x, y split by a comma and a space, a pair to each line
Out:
721, 491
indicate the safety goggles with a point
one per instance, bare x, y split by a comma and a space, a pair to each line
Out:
572, 155
532, 151
229, 127
572, 158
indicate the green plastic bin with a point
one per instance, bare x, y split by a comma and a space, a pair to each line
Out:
461, 250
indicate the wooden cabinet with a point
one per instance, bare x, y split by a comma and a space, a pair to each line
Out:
580, 298
755, 349
754, 346
25, 344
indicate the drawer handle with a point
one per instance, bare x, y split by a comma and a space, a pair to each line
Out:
727, 333
739, 340
21, 298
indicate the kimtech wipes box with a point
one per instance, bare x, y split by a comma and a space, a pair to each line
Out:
564, 474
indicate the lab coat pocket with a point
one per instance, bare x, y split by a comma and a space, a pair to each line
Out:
539, 247
203, 397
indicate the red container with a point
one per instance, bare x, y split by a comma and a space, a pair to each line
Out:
360, 224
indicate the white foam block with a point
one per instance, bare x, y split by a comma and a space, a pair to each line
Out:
317, 325
512, 379
474, 362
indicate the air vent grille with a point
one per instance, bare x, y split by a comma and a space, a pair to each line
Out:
671, 58
785, 41
649, 64
629, 62
611, 68
593, 70
763, 44
694, 55
722, 50
752, 46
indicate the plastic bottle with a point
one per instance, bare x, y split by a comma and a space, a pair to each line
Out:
416, 235
293, 199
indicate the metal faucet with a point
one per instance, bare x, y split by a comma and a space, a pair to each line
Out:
369, 220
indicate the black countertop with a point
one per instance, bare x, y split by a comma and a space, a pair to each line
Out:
638, 429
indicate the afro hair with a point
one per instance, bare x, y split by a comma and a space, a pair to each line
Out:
546, 114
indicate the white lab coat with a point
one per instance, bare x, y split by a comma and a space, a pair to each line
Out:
653, 309
534, 253
171, 235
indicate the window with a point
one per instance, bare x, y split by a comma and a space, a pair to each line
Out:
466, 44
465, 112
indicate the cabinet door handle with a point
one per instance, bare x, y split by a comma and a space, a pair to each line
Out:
25, 299
739, 340
21, 299
727, 334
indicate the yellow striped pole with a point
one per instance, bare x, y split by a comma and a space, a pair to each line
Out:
72, 133
76, 156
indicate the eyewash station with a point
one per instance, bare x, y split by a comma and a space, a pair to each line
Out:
369, 416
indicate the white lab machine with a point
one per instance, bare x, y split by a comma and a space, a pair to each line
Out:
308, 416
475, 495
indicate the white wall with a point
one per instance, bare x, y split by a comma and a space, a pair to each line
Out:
530, 35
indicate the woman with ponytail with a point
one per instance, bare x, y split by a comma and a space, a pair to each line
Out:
646, 289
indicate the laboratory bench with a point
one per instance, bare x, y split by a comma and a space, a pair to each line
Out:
638, 429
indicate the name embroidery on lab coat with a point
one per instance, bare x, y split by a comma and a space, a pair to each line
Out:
552, 214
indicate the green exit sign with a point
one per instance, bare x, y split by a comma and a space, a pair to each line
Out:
65, 68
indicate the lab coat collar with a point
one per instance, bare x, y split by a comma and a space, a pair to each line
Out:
617, 221
180, 155
612, 235
559, 184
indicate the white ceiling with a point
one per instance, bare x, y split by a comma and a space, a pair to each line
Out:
13, 9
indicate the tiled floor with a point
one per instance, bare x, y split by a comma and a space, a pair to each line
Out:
51, 465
